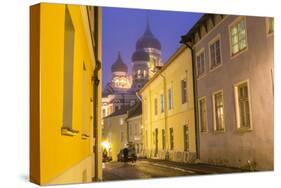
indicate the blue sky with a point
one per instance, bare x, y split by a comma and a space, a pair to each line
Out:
123, 27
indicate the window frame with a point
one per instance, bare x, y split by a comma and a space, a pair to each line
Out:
235, 22
155, 106
199, 110
198, 53
237, 108
184, 91
170, 100
267, 20
186, 138
213, 41
214, 112
162, 103
172, 141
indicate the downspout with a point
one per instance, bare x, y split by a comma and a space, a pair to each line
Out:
197, 140
96, 82
165, 115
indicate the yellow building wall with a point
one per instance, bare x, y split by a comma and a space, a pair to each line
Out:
177, 68
60, 153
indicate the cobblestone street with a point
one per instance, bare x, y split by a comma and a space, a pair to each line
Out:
144, 169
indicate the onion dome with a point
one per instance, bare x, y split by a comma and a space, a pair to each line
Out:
119, 65
140, 55
148, 40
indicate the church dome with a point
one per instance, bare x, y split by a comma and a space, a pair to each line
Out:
119, 65
140, 55
148, 40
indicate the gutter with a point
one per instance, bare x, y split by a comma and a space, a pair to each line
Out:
96, 82
197, 140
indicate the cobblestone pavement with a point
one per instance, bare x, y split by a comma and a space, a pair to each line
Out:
144, 169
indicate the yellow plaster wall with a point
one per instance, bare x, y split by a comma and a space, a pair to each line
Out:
179, 66
58, 152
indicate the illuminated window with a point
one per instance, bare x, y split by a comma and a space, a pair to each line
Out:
139, 73
171, 138
238, 36
162, 103
69, 35
183, 91
218, 111
242, 105
170, 99
203, 114
121, 121
215, 54
200, 63
144, 73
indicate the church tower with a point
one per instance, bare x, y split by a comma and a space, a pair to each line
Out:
146, 58
120, 79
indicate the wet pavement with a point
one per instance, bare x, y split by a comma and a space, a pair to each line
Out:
144, 169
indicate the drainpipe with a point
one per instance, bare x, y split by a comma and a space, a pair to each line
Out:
197, 140
96, 82
165, 115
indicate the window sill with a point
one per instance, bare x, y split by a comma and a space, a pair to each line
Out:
68, 131
85, 136
233, 56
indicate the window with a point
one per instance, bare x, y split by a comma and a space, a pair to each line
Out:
203, 114
186, 138
162, 102
218, 111
155, 106
139, 73
170, 99
215, 53
171, 138
69, 35
144, 74
122, 136
242, 105
270, 25
200, 64
103, 113
238, 36
121, 121
163, 139
183, 91
116, 108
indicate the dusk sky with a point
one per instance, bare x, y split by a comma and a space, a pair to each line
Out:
123, 27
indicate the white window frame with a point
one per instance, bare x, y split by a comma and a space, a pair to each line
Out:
199, 110
234, 22
202, 50
237, 109
215, 39
214, 111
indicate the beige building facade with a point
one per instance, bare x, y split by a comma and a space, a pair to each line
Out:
233, 58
